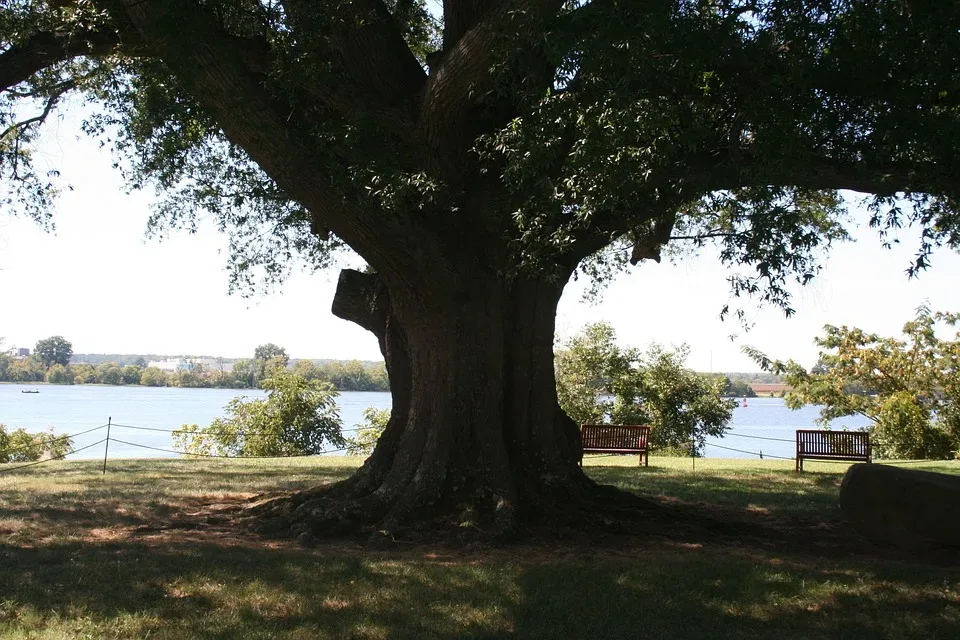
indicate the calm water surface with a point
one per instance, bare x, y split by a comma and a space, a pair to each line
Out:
72, 409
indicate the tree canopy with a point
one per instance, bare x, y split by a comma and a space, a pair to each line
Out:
268, 351
605, 124
54, 350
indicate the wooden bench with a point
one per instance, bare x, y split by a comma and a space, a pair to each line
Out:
832, 445
616, 438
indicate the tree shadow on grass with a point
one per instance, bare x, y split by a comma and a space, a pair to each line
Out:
198, 590
208, 591
728, 597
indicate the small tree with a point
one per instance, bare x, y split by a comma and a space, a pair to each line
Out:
908, 388
684, 406
298, 417
598, 381
20, 446
268, 351
54, 350
369, 432
594, 373
267, 359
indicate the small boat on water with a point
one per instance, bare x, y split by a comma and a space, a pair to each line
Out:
29, 391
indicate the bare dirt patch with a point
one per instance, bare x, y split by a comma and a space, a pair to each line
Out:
676, 528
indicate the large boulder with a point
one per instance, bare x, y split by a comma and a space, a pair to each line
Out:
904, 507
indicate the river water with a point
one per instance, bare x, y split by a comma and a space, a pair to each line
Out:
764, 425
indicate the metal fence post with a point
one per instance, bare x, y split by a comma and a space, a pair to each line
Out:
106, 446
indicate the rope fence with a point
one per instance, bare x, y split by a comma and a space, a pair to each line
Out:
181, 430
50, 440
744, 435
46, 442
52, 458
218, 455
752, 453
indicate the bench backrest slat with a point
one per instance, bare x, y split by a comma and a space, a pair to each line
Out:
832, 445
615, 436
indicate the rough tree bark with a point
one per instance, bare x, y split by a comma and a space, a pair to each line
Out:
476, 434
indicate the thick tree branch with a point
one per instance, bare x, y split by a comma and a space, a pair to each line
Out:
459, 16
211, 66
365, 43
742, 168
362, 298
819, 173
42, 50
458, 93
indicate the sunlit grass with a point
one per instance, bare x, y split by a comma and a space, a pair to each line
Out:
62, 575
760, 484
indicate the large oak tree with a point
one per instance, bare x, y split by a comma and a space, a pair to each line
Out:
479, 153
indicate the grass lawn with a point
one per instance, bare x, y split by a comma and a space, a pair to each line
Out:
120, 556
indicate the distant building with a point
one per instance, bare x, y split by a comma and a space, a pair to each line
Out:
170, 364
769, 389
18, 353
182, 364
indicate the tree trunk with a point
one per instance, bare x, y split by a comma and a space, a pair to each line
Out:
476, 438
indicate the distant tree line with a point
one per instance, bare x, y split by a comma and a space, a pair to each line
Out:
51, 363
733, 386
759, 377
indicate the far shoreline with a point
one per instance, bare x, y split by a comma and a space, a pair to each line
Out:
147, 386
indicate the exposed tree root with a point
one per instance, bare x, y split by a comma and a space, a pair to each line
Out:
602, 519
340, 511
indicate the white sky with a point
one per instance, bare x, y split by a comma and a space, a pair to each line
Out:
107, 290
